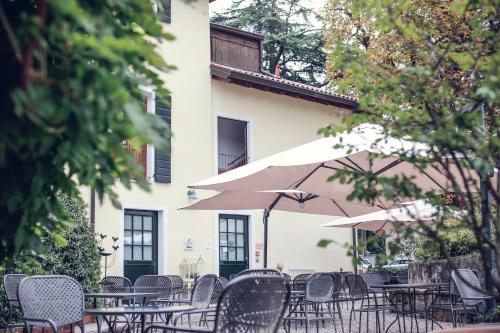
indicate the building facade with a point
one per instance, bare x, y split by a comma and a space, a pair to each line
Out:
224, 112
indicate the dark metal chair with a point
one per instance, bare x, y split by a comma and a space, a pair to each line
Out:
375, 278
250, 303
116, 284
51, 301
177, 286
319, 292
161, 285
287, 277
220, 284
471, 299
262, 271
10, 284
366, 299
299, 282
402, 276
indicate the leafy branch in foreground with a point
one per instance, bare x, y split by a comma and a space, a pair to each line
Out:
70, 98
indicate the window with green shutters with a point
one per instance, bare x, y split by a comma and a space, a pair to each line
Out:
163, 165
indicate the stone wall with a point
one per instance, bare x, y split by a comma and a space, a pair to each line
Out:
439, 271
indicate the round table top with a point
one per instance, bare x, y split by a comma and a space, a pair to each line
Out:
422, 285
150, 309
118, 295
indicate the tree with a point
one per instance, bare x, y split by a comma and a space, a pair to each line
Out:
290, 39
438, 87
69, 98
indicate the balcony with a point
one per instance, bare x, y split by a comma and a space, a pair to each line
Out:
230, 162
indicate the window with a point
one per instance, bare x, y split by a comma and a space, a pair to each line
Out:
231, 144
139, 236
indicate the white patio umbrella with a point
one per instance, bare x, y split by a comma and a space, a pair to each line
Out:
284, 200
388, 219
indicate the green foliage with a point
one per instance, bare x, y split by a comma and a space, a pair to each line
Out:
69, 98
458, 242
290, 39
442, 90
78, 257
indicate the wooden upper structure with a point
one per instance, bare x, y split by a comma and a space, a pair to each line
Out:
236, 57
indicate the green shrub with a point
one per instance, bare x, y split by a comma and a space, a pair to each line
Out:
457, 241
78, 258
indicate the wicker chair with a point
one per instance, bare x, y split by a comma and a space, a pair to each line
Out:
299, 282
367, 301
220, 284
320, 288
177, 286
263, 271
471, 299
116, 284
10, 284
51, 301
161, 285
250, 303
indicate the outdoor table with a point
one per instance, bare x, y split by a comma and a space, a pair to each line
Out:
135, 311
409, 289
118, 296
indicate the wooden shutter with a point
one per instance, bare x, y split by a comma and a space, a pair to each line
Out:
163, 173
167, 11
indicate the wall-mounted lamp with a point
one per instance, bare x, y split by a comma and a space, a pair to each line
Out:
302, 204
191, 193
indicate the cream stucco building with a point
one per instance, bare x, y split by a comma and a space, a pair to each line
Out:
224, 112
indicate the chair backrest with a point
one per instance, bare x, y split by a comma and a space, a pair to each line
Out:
299, 282
376, 278
252, 303
262, 271
357, 286
220, 284
10, 284
287, 277
402, 276
177, 282
116, 284
203, 290
471, 288
319, 287
51, 297
337, 283
159, 284
232, 276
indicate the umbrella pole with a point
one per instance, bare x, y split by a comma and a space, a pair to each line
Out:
355, 250
265, 220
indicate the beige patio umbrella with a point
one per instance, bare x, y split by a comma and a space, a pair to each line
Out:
390, 218
284, 200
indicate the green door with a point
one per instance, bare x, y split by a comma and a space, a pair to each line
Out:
233, 244
140, 243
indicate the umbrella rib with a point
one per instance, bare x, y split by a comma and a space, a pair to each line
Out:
432, 179
355, 164
388, 166
338, 206
308, 175
350, 166
275, 202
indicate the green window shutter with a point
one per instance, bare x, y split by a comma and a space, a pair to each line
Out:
163, 170
167, 11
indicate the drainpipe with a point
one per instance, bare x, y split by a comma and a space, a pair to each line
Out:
92, 209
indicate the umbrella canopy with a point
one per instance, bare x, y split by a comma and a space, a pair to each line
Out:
387, 219
307, 167
286, 200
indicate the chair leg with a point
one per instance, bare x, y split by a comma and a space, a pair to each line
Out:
340, 316
350, 321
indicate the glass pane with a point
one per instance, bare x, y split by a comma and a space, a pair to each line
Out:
148, 252
128, 253
239, 226
148, 223
240, 239
223, 253
127, 239
137, 238
147, 238
231, 225
222, 225
128, 222
231, 240
232, 254
223, 239
137, 223
240, 254
137, 252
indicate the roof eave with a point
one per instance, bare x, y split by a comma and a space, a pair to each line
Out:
231, 76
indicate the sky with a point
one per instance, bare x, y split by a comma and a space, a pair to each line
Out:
221, 5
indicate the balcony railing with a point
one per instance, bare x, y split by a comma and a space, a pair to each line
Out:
230, 162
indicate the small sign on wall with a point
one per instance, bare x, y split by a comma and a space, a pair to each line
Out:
188, 244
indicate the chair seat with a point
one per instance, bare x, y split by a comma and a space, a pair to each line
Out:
180, 328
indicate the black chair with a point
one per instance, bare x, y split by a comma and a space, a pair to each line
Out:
287, 277
250, 303
471, 299
363, 301
51, 301
299, 282
160, 285
262, 271
177, 286
219, 287
10, 284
